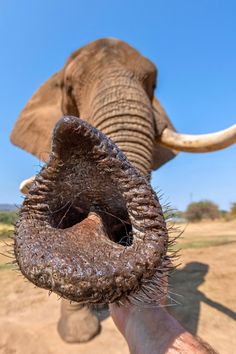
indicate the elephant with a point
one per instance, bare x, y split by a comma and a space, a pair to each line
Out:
91, 228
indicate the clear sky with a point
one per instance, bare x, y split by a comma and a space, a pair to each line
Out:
193, 44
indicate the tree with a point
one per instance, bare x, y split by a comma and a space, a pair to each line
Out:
204, 209
233, 210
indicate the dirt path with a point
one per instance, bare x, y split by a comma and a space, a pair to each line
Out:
206, 279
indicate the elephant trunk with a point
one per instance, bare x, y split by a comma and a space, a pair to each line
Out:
121, 109
91, 229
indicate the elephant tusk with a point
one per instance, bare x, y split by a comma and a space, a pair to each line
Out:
26, 184
198, 143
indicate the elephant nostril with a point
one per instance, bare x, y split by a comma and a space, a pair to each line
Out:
121, 233
68, 216
117, 229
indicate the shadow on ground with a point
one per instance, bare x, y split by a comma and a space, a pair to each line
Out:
185, 283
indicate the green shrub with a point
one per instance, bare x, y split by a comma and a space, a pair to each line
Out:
204, 209
8, 217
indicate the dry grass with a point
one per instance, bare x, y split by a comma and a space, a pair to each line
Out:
6, 231
206, 281
205, 234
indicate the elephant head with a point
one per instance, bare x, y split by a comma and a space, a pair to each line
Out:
110, 85
91, 229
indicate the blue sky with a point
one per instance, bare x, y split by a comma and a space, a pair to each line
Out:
192, 43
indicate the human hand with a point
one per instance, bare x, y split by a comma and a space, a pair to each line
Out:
154, 330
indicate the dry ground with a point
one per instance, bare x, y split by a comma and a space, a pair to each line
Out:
206, 281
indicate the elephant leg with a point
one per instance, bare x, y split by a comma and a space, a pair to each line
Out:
77, 323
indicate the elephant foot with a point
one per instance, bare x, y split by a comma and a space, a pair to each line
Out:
79, 326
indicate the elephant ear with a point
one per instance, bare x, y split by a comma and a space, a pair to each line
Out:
33, 129
161, 154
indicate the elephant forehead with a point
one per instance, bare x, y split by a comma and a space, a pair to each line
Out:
105, 52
